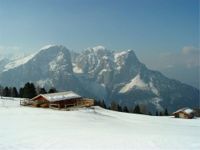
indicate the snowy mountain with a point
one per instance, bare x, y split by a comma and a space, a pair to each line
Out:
3, 62
102, 74
128, 82
51, 66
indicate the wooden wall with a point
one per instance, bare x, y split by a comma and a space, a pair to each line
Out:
39, 101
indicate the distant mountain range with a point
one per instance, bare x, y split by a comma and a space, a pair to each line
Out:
101, 74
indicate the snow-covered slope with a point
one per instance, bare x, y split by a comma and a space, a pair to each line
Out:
135, 82
18, 62
21, 60
48, 67
36, 128
3, 61
9, 102
101, 74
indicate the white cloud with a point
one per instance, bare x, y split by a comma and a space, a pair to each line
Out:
190, 50
188, 57
169, 66
8, 50
183, 65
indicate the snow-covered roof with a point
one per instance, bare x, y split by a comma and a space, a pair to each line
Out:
53, 97
185, 110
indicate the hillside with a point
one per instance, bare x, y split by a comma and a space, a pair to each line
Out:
37, 128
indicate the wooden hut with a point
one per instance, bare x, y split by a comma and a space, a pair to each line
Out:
59, 100
186, 113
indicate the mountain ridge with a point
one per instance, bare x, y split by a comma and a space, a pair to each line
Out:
101, 74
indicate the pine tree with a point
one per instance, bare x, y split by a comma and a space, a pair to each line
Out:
102, 104
166, 112
156, 113
137, 109
1, 90
125, 109
14, 92
33, 90
52, 90
29, 90
26, 90
161, 114
96, 103
143, 109
113, 106
6, 92
42, 91
119, 108
21, 92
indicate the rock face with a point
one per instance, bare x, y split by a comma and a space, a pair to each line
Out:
49, 67
101, 74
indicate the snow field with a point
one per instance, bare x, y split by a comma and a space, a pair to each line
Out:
24, 128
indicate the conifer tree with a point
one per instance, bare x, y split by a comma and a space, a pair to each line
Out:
150, 114
125, 109
102, 104
143, 109
6, 92
42, 91
96, 103
119, 108
14, 92
166, 112
21, 92
52, 90
137, 109
26, 90
29, 90
156, 113
1, 90
113, 106
33, 90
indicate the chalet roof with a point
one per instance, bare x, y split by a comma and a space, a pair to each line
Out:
53, 97
185, 110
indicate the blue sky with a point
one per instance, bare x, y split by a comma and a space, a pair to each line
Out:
153, 25
152, 28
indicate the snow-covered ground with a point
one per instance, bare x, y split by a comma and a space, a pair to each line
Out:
24, 128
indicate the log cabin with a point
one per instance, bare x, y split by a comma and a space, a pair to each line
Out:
186, 113
60, 100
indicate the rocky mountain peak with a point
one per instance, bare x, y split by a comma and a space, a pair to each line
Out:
101, 74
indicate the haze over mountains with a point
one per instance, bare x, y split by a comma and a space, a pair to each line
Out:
101, 74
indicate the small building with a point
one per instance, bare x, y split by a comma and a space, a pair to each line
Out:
60, 100
186, 113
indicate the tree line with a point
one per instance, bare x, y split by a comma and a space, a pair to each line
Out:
137, 109
27, 91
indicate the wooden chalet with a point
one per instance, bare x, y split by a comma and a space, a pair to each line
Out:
60, 100
186, 113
